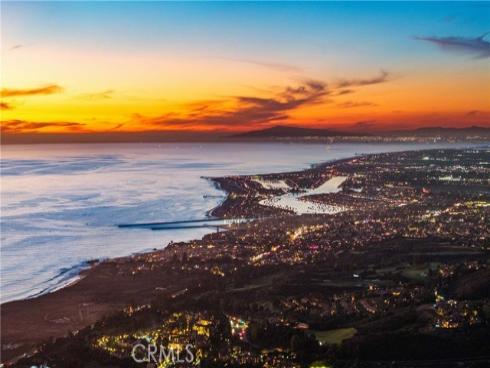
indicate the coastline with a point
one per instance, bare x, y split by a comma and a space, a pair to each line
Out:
206, 213
217, 183
111, 285
26, 276
72, 307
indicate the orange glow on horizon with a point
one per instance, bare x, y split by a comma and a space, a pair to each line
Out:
87, 90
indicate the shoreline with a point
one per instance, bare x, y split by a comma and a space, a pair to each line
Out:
111, 285
71, 305
87, 265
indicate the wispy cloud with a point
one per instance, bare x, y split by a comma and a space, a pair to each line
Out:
24, 126
382, 77
472, 113
354, 104
45, 90
5, 106
344, 92
477, 47
254, 111
16, 47
118, 126
364, 124
247, 110
103, 95
270, 65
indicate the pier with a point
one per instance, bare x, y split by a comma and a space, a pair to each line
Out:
187, 224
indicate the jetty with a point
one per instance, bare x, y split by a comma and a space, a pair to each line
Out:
187, 224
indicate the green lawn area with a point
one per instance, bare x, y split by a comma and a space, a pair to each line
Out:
335, 337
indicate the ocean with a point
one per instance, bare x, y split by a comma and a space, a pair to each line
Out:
61, 204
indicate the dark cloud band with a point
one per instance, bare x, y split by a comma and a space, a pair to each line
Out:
477, 47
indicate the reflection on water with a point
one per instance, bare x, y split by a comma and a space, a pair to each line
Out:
300, 204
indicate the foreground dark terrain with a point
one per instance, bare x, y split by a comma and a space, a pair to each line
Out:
399, 277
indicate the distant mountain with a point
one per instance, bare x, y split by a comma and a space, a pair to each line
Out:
448, 132
282, 131
296, 133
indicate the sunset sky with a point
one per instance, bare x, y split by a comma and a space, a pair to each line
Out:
131, 67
